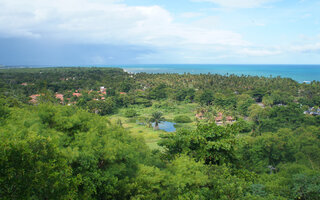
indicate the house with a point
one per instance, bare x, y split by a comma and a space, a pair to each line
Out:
103, 89
24, 84
123, 93
312, 111
34, 98
200, 115
59, 96
219, 119
77, 94
230, 119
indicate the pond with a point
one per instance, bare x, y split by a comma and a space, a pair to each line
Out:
166, 126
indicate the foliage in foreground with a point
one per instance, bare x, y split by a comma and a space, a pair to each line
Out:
50, 151
56, 152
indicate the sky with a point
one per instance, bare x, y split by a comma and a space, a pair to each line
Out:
111, 32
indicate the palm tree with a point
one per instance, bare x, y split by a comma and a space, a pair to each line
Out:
156, 118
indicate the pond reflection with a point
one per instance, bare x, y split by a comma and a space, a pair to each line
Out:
166, 126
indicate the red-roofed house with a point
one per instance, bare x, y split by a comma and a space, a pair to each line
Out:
230, 119
219, 118
199, 115
103, 89
59, 96
34, 98
76, 94
123, 93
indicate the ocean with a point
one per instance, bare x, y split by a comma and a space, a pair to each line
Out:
300, 73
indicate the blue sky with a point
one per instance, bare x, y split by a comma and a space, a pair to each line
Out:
108, 32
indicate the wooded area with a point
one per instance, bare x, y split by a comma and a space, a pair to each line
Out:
92, 133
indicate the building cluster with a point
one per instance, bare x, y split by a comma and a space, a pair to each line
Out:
101, 96
312, 111
220, 119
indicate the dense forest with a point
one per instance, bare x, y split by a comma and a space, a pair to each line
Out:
94, 133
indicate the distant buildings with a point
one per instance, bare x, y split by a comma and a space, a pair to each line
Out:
312, 111
59, 96
98, 95
77, 94
34, 98
26, 84
103, 89
220, 119
200, 115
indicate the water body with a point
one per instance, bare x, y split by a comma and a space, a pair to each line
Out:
299, 73
166, 126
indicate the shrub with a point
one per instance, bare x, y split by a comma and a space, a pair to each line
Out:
132, 120
182, 119
130, 113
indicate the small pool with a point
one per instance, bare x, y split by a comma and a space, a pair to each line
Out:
166, 126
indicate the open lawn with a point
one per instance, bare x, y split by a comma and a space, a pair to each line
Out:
138, 127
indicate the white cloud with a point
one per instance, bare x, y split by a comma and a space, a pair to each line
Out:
191, 14
259, 52
306, 48
113, 22
238, 3
107, 21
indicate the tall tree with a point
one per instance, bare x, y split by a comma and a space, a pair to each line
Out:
157, 117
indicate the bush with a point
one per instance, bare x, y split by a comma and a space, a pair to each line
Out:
182, 119
132, 120
130, 113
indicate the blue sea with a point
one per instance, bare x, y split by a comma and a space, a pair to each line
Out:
299, 73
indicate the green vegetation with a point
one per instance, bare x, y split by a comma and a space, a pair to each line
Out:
85, 133
182, 119
156, 118
130, 113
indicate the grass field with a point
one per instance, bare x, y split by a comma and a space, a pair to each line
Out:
168, 108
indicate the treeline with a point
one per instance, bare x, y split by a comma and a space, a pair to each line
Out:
184, 87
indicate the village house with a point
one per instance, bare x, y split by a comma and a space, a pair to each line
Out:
230, 119
34, 98
312, 111
77, 94
200, 115
219, 119
59, 96
103, 89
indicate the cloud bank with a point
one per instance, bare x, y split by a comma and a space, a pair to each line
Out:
238, 3
145, 34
